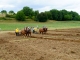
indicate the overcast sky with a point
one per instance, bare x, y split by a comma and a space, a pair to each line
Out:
41, 5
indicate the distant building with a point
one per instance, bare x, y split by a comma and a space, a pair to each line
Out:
2, 14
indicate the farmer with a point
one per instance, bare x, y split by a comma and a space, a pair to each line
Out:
17, 32
35, 30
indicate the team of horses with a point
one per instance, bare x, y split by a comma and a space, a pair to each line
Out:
27, 31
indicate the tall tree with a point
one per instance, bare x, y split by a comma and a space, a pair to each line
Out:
59, 16
42, 17
49, 15
28, 11
75, 15
11, 12
68, 17
54, 13
64, 12
20, 16
4, 11
36, 13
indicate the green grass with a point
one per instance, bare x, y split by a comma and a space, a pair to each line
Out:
51, 25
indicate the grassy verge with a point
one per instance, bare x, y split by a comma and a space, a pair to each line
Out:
51, 25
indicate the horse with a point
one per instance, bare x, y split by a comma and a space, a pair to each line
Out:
26, 32
43, 30
23, 32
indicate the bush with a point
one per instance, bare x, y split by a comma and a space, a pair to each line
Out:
2, 18
10, 16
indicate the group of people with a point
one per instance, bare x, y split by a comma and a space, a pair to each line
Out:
33, 30
17, 31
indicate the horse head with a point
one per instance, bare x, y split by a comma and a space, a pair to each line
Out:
45, 29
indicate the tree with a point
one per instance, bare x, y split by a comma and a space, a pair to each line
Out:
20, 16
59, 16
28, 11
54, 13
11, 12
36, 13
42, 17
75, 15
64, 12
4, 11
49, 15
68, 17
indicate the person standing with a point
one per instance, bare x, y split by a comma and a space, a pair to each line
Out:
17, 32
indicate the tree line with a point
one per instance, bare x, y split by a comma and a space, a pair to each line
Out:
53, 14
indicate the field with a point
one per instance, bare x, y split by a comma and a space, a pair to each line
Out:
8, 25
56, 44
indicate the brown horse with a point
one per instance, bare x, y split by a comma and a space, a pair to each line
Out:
43, 30
23, 32
26, 32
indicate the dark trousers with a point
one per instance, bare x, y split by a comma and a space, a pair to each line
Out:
17, 33
33, 31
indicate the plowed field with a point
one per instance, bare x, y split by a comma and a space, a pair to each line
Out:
59, 44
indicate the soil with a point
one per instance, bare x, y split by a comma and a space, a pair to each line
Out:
58, 44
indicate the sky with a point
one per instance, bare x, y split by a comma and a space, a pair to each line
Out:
41, 5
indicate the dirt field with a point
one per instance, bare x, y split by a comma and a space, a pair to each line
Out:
63, 44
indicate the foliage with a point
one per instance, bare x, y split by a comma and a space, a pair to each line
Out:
60, 16
28, 11
2, 18
36, 13
42, 17
4, 11
20, 16
53, 14
68, 17
64, 12
49, 15
10, 16
11, 12
75, 15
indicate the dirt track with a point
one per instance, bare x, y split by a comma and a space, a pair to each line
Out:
63, 44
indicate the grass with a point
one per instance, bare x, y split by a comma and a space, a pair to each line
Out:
12, 25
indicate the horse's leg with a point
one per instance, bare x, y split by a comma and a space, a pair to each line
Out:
27, 34
30, 33
24, 35
42, 32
